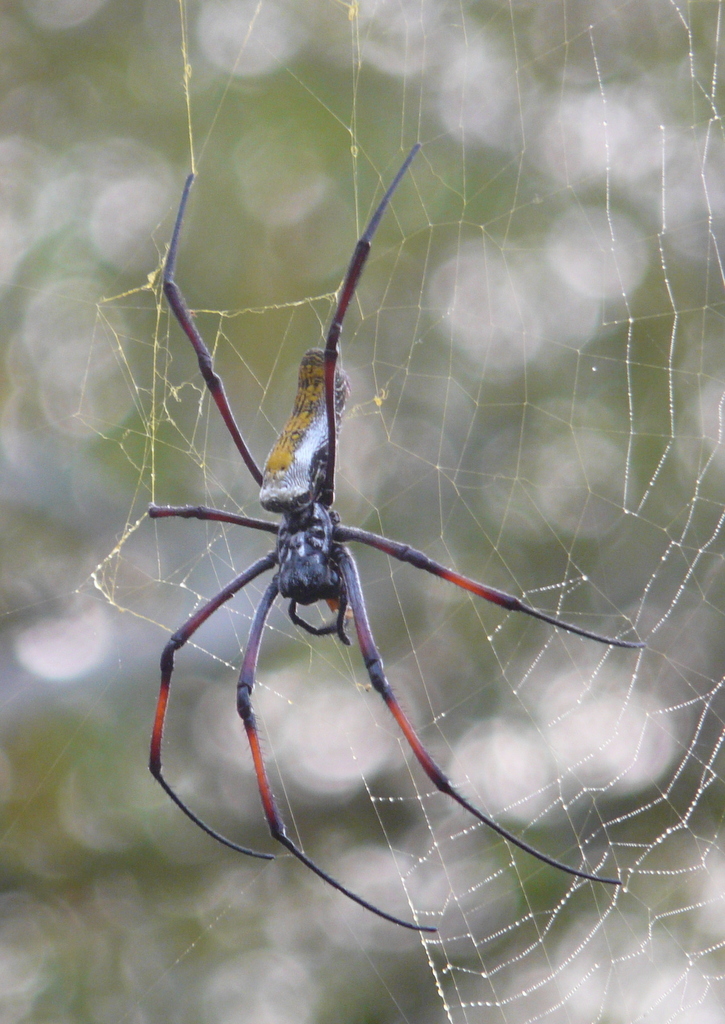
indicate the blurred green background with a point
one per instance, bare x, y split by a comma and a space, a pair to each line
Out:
537, 365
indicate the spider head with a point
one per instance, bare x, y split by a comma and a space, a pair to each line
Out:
304, 548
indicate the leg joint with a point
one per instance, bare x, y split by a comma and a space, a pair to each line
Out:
208, 372
374, 666
167, 658
244, 703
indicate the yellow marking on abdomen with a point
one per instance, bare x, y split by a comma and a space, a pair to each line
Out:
309, 404
292, 473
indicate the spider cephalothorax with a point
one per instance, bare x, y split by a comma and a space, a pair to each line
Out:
312, 560
305, 553
309, 571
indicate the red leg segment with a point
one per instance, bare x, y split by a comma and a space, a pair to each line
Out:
274, 819
374, 666
404, 553
167, 667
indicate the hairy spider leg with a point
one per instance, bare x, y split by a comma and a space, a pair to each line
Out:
213, 514
183, 314
274, 820
405, 553
354, 270
374, 666
178, 640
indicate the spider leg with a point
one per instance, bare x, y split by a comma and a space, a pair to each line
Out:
404, 553
314, 630
178, 640
214, 514
374, 666
338, 626
183, 314
354, 270
274, 819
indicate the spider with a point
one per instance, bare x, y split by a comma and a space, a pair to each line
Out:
310, 556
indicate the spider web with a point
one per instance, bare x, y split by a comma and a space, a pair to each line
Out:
537, 391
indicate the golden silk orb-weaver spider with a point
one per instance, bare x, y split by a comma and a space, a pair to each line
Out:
311, 559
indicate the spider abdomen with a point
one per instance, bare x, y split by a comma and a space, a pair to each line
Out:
295, 468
